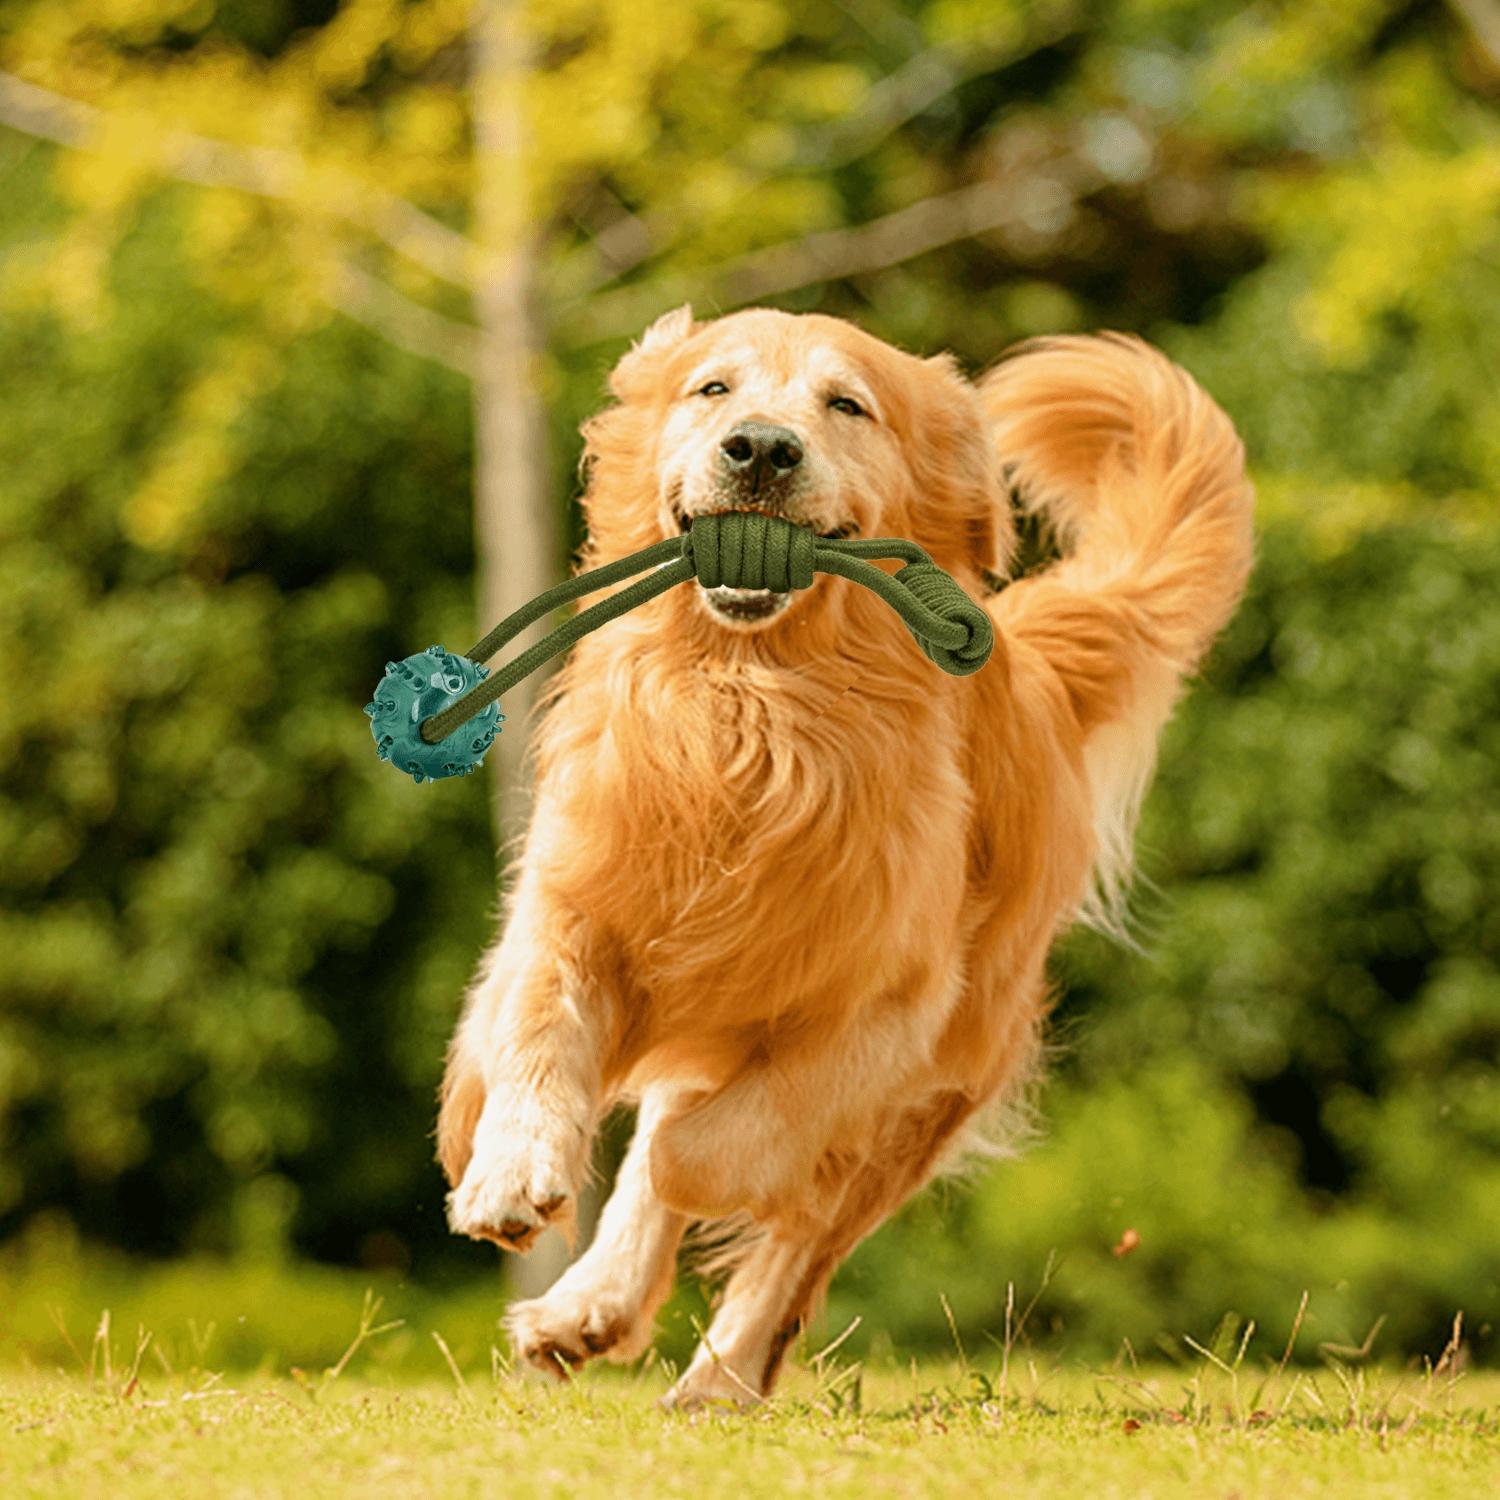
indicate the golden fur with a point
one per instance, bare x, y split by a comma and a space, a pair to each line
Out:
788, 885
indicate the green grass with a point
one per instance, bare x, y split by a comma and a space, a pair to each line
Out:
215, 1378
921, 1433
128, 1419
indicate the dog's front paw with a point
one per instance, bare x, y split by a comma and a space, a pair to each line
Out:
571, 1324
509, 1197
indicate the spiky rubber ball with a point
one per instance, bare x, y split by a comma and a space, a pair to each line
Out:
414, 690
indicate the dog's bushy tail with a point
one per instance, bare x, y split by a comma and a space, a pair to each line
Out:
1141, 479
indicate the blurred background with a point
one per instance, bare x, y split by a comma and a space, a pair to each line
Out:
301, 303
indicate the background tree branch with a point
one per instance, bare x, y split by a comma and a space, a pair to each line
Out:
835, 254
629, 239
265, 171
1481, 18
408, 325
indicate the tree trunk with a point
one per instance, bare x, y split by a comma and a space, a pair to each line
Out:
515, 521
515, 528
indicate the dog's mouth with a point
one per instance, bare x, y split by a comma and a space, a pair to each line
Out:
752, 606
684, 521
745, 606
836, 534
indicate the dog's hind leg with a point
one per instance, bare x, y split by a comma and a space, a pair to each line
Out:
775, 1289
605, 1302
754, 1142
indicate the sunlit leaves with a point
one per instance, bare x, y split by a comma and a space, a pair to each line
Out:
1407, 229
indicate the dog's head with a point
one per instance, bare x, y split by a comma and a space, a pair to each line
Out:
804, 417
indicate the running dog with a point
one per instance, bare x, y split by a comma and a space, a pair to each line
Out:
787, 887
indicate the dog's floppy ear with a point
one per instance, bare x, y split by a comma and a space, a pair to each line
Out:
618, 473
962, 509
631, 377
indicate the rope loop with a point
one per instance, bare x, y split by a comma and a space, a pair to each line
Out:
940, 593
422, 704
747, 549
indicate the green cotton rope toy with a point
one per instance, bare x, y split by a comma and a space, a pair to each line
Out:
435, 714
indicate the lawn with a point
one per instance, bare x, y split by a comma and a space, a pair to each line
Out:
122, 1426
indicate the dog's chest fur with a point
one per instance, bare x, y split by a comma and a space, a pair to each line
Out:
746, 841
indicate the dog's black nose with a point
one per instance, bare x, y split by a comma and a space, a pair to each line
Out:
757, 452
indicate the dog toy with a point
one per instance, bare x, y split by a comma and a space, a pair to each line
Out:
435, 714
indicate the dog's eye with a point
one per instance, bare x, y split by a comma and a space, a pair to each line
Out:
713, 388
848, 405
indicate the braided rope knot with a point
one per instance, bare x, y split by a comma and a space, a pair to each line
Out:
938, 592
743, 549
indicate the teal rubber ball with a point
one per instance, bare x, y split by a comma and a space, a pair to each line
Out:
414, 690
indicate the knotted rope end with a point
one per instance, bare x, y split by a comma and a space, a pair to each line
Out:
941, 593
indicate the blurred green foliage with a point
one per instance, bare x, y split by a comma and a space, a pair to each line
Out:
231, 943
207, 1313
232, 948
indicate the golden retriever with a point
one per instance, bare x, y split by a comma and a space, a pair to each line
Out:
787, 886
